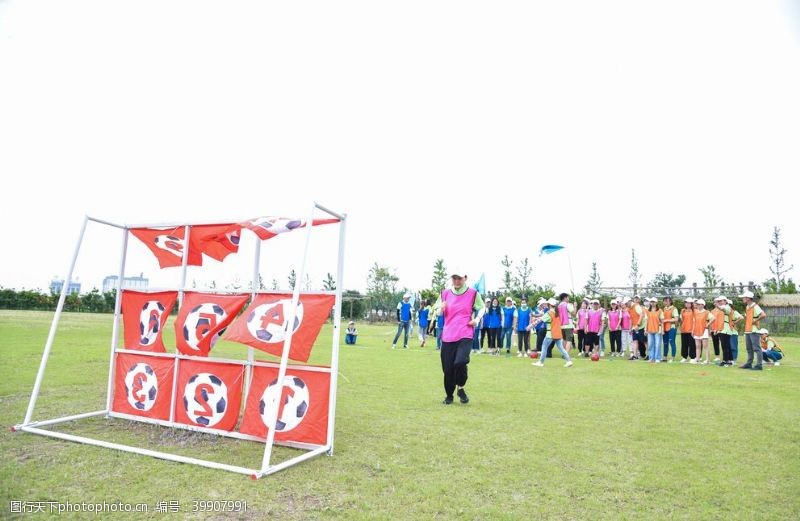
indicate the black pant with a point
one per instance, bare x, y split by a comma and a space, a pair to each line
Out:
642, 344
581, 339
540, 335
725, 340
687, 346
523, 337
715, 341
455, 357
494, 337
615, 338
484, 333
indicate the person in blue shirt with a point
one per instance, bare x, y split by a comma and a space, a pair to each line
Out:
509, 311
493, 321
523, 318
422, 321
403, 320
439, 327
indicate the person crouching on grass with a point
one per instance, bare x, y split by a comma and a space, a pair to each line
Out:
457, 305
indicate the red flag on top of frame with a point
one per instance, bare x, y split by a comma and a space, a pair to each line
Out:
143, 318
269, 227
143, 385
264, 324
202, 318
168, 246
215, 240
209, 394
302, 409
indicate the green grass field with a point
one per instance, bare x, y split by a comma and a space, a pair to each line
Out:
606, 440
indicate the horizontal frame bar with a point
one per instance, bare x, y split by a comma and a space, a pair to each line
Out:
209, 430
330, 212
245, 362
136, 450
59, 420
109, 223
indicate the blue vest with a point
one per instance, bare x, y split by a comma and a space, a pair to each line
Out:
508, 316
492, 318
405, 311
422, 316
523, 319
440, 321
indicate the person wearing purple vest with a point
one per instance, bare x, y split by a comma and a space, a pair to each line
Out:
462, 308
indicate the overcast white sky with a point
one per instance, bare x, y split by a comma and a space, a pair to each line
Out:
454, 129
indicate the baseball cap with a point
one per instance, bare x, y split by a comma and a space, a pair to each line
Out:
552, 301
700, 301
747, 294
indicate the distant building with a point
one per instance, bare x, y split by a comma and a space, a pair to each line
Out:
57, 284
140, 282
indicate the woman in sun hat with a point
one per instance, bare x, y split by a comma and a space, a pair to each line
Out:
580, 328
654, 330
687, 324
637, 327
733, 330
539, 326
702, 319
462, 308
614, 321
594, 322
625, 327
670, 327
770, 350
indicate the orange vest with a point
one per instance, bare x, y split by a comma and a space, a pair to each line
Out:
700, 321
635, 317
687, 320
719, 319
749, 319
555, 325
669, 312
653, 318
730, 319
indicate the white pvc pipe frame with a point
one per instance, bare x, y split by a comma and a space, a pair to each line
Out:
34, 427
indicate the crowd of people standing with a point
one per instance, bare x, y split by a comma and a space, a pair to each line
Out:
634, 328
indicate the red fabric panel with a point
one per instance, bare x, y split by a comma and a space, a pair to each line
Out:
201, 317
265, 322
143, 318
143, 385
303, 412
209, 394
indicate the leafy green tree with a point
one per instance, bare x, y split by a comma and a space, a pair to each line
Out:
778, 267
666, 283
508, 277
594, 283
634, 277
439, 279
329, 284
523, 279
711, 279
381, 287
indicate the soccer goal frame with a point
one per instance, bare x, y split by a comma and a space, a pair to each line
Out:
272, 409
